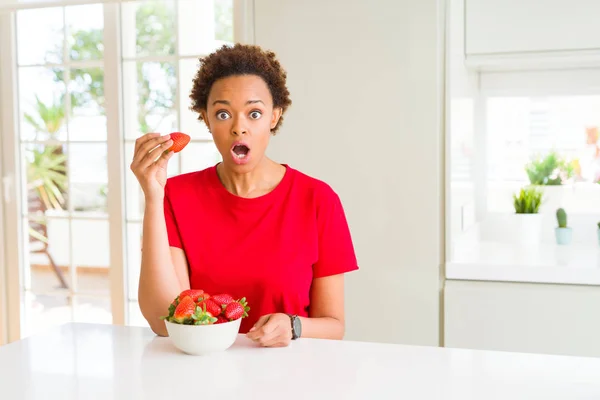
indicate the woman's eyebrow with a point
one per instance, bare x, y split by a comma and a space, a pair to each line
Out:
227, 103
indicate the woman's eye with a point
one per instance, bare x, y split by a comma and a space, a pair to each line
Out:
222, 115
255, 114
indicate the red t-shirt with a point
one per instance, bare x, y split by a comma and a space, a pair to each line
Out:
267, 249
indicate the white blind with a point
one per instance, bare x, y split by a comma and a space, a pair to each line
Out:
13, 5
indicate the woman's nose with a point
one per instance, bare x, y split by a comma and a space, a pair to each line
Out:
238, 127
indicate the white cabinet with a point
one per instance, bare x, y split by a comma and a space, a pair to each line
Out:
531, 318
495, 27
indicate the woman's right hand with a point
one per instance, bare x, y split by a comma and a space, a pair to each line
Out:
150, 169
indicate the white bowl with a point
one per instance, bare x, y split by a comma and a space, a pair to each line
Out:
203, 339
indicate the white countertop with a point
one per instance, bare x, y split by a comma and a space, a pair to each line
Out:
86, 361
544, 263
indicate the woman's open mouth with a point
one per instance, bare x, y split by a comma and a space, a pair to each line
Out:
240, 153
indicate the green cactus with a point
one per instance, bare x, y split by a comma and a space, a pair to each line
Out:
561, 217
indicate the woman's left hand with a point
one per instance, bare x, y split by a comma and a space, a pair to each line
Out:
272, 330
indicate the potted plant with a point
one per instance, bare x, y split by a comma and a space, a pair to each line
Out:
550, 172
528, 221
563, 233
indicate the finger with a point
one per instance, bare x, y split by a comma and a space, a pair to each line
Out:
278, 341
261, 321
143, 139
145, 148
270, 326
154, 154
272, 335
164, 159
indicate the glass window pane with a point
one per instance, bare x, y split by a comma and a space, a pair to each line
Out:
91, 255
95, 310
134, 258
42, 104
134, 197
523, 128
89, 177
46, 44
85, 30
198, 156
88, 119
224, 21
148, 28
41, 312
204, 26
149, 98
46, 178
47, 254
189, 119
135, 315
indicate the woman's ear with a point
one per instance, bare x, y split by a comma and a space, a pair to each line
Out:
276, 116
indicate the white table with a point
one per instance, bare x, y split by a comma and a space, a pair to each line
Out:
86, 361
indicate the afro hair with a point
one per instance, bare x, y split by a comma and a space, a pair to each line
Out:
240, 60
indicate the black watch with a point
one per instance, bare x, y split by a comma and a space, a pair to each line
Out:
296, 326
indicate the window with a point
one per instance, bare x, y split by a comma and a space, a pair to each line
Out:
520, 128
63, 131
162, 41
515, 132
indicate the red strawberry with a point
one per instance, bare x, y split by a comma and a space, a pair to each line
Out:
172, 308
193, 293
223, 299
184, 311
205, 296
221, 319
180, 140
210, 306
237, 309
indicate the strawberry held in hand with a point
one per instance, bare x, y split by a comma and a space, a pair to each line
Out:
180, 140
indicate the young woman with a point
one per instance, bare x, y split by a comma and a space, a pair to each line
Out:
248, 226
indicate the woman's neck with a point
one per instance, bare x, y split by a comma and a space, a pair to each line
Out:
257, 182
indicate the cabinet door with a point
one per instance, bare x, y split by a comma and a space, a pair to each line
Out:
523, 317
516, 26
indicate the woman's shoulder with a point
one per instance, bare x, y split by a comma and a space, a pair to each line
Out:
316, 187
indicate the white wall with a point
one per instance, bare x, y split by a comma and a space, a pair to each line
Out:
366, 85
532, 318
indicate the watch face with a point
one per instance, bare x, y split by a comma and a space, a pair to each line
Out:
297, 327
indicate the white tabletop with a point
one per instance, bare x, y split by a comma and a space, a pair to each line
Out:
85, 361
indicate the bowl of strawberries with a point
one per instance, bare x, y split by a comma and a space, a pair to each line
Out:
199, 323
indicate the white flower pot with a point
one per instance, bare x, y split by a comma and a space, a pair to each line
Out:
527, 229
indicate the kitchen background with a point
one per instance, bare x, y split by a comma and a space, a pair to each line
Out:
444, 111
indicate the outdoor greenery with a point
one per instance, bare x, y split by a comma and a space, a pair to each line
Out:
155, 27
551, 170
